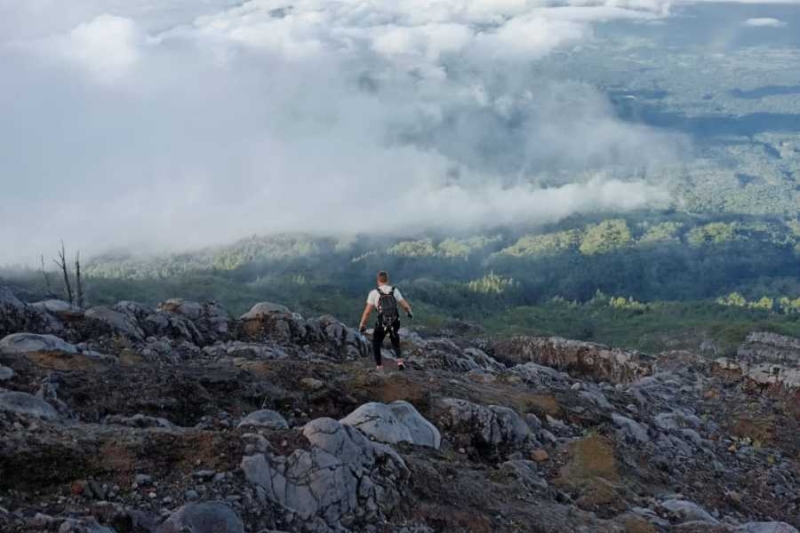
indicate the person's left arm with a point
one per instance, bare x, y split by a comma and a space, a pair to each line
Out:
402, 302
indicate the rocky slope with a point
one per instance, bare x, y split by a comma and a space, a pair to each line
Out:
180, 418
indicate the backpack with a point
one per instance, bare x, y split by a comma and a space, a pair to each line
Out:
388, 313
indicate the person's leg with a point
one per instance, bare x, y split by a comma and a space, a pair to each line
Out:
378, 334
394, 336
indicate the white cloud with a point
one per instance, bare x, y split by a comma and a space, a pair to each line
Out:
764, 23
108, 47
189, 123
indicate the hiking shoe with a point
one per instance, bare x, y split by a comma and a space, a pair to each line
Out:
401, 365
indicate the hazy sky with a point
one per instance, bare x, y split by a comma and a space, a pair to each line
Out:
170, 124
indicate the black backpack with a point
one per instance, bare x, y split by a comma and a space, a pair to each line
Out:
388, 313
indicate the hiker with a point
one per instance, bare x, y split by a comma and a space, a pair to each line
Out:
385, 299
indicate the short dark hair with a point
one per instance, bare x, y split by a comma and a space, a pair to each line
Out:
383, 276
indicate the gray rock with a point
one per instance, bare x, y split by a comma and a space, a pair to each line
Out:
21, 343
139, 421
207, 517
83, 526
55, 306
393, 423
686, 511
5, 373
25, 404
493, 426
527, 472
342, 473
264, 418
630, 428
766, 527
264, 308
121, 323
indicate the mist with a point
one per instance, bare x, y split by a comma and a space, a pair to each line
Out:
171, 125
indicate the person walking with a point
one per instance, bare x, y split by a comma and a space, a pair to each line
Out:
385, 299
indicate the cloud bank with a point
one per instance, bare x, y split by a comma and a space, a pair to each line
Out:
177, 123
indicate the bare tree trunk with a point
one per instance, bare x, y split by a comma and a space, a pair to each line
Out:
62, 264
79, 285
46, 278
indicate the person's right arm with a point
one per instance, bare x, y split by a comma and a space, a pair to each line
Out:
362, 326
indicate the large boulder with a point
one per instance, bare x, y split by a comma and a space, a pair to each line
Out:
396, 422
119, 322
343, 477
210, 318
262, 309
22, 403
16, 316
23, 343
207, 517
490, 428
266, 419
577, 358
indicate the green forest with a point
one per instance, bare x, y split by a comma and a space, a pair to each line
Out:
649, 281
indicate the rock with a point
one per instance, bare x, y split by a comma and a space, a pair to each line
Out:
311, 384
24, 404
245, 350
143, 480
120, 323
489, 428
764, 347
540, 376
57, 307
539, 455
766, 527
16, 317
342, 472
210, 319
266, 419
527, 473
686, 511
138, 421
262, 309
83, 526
5, 373
22, 343
207, 517
582, 359
393, 423
630, 428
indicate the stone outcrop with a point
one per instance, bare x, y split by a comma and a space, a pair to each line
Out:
764, 347
396, 422
579, 359
341, 480
491, 429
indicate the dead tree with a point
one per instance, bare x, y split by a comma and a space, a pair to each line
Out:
78, 284
62, 264
46, 278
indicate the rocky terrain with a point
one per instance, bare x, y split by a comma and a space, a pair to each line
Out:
181, 418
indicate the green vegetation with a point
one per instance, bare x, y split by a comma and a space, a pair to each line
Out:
677, 280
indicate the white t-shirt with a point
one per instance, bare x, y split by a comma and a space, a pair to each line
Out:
385, 289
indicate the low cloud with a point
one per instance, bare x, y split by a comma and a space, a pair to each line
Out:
175, 124
764, 23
